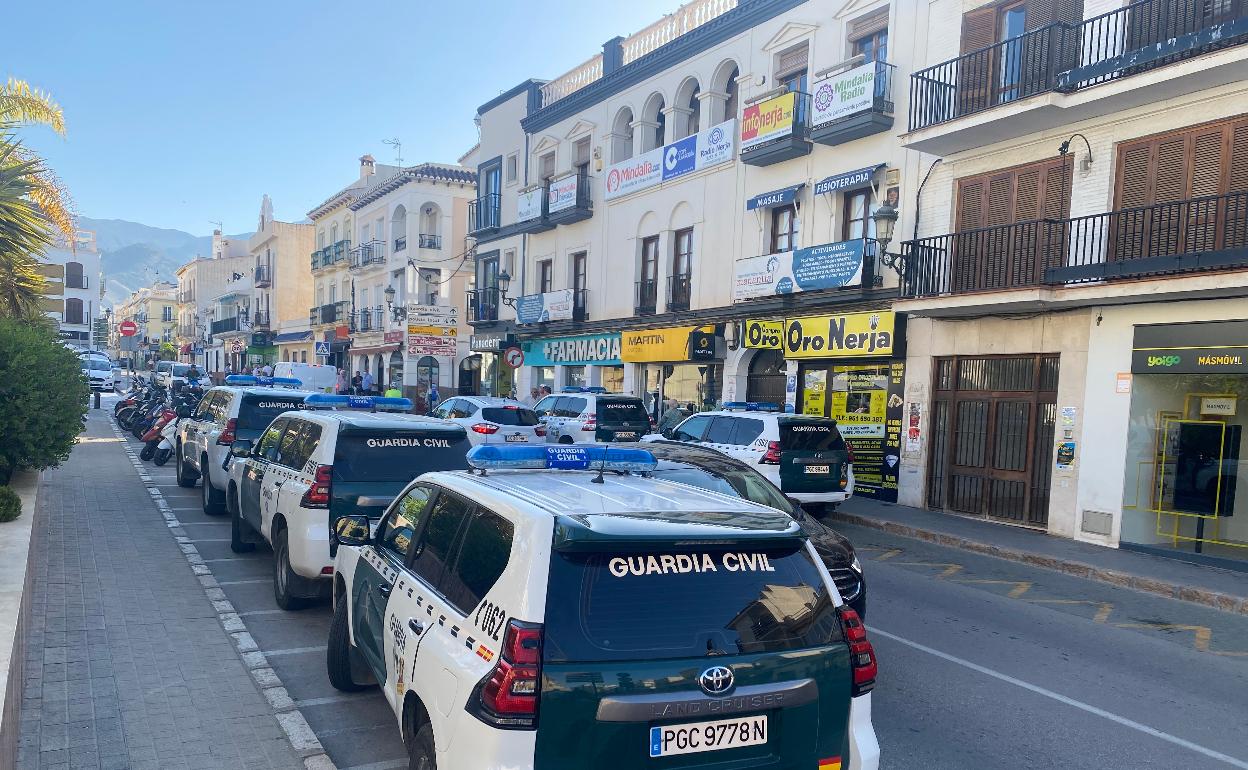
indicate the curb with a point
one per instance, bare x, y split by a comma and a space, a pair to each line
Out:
1169, 590
298, 733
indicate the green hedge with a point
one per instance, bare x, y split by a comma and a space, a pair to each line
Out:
43, 398
10, 504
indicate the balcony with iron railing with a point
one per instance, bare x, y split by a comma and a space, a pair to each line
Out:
852, 104
333, 313
678, 292
645, 296
367, 320
186, 295
483, 214
768, 146
225, 325
400, 244
263, 276
580, 304
569, 199
367, 255
1064, 58
260, 320
188, 331
76, 281
483, 305
1165, 239
426, 241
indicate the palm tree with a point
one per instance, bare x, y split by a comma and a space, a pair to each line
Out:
33, 203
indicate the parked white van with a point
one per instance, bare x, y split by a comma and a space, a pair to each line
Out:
319, 378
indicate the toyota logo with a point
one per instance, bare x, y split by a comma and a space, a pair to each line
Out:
716, 680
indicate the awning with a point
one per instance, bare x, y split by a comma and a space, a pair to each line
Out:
186, 349
292, 337
774, 198
849, 180
374, 350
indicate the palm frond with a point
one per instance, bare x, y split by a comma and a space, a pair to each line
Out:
22, 103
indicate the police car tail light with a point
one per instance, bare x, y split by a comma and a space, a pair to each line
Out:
591, 423
317, 495
485, 428
227, 436
539, 430
507, 696
861, 653
772, 455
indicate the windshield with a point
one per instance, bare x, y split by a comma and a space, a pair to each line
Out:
97, 365
164, 366
398, 455
614, 412
749, 486
510, 415
180, 370
603, 607
258, 411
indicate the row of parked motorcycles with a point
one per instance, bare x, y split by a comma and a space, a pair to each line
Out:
152, 414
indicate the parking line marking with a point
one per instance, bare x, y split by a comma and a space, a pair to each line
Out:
1102, 614
1201, 642
259, 612
950, 569
293, 651
389, 764
332, 699
244, 582
1131, 723
1020, 586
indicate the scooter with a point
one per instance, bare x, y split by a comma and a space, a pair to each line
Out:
151, 439
169, 435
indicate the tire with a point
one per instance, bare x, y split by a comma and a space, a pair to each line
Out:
149, 450
179, 470
214, 499
283, 576
124, 418
239, 529
566, 440
420, 752
162, 456
338, 652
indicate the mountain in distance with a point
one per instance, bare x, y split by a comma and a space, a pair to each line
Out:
134, 255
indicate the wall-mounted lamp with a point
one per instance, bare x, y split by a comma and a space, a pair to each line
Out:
1085, 165
397, 313
885, 219
504, 283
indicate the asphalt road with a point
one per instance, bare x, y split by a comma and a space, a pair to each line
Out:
983, 663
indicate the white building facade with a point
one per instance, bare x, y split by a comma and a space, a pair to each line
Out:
75, 288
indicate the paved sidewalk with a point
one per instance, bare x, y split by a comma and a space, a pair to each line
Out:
126, 663
1223, 589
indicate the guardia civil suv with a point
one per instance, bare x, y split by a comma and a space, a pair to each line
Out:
241, 408
340, 455
592, 415
552, 612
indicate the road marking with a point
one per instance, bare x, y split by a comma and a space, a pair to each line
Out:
1020, 586
331, 699
202, 523
389, 764
232, 558
293, 651
1102, 614
1201, 642
209, 539
259, 612
1066, 700
244, 582
950, 569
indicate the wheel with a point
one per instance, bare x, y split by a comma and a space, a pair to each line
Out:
124, 417
138, 428
179, 470
239, 529
149, 450
420, 753
162, 456
565, 440
284, 578
214, 499
338, 653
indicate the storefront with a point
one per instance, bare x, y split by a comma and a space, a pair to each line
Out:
1188, 387
586, 360
848, 367
484, 373
295, 346
678, 366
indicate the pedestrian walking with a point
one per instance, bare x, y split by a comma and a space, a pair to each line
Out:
266, 370
366, 381
341, 386
355, 382
531, 400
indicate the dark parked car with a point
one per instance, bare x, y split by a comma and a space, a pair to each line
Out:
708, 469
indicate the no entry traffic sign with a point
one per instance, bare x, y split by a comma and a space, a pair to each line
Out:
128, 328
513, 357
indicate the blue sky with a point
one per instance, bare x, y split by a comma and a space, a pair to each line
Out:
181, 113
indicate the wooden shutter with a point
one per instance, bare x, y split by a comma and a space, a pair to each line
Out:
975, 71
1236, 230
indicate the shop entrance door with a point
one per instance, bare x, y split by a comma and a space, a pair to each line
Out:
992, 437
765, 381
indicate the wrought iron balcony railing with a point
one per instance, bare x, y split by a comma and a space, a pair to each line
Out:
678, 291
645, 296
483, 304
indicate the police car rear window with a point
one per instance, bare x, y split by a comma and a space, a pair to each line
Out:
810, 436
258, 411
397, 455
682, 604
621, 411
510, 416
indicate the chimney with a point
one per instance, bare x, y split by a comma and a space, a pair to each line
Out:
368, 166
612, 55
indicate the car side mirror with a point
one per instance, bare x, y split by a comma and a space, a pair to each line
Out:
241, 448
352, 530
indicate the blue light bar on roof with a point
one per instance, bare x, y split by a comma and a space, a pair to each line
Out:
371, 403
247, 379
564, 457
751, 406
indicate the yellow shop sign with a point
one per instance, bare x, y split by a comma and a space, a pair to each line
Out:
834, 336
657, 345
763, 335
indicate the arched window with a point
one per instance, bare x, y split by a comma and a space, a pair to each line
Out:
725, 82
73, 311
653, 114
430, 227
398, 228
333, 233
687, 108
622, 136
74, 279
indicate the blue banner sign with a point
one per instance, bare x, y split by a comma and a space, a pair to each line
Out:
773, 198
829, 266
849, 180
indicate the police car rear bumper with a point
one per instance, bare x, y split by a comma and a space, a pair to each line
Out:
472, 745
308, 542
820, 497
864, 749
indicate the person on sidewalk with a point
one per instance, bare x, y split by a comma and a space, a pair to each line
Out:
355, 383
341, 386
366, 382
393, 391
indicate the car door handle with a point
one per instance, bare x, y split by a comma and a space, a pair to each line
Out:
384, 589
417, 627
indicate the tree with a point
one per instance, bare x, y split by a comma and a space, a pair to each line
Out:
43, 397
23, 105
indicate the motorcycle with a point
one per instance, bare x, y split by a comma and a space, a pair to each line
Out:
151, 439
143, 403
169, 435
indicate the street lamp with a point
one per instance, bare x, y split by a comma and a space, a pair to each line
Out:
504, 283
397, 313
885, 218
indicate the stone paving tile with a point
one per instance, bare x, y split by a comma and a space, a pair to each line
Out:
126, 665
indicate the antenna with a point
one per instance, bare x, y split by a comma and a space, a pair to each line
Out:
218, 224
398, 149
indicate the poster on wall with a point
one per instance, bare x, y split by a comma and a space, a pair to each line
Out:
540, 308
859, 405
891, 469
845, 94
814, 388
914, 426
828, 266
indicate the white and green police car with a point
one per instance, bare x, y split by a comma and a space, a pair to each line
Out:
340, 455
241, 408
551, 611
